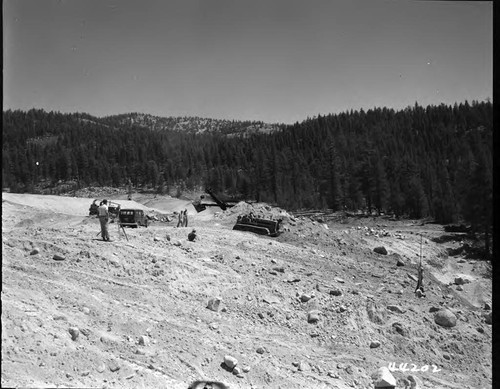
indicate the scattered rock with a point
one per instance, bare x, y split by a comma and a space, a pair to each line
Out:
434, 309
380, 250
85, 310
157, 239
144, 340
487, 306
58, 257
292, 278
412, 277
246, 369
445, 318
110, 341
35, 251
168, 237
230, 362
395, 308
339, 280
313, 316
336, 292
398, 327
400, 262
75, 333
101, 368
447, 357
213, 304
304, 366
237, 370
305, 298
460, 288
260, 350
480, 330
332, 374
271, 299
419, 293
374, 344
113, 365
415, 382
488, 318
383, 378
279, 269
461, 281
341, 309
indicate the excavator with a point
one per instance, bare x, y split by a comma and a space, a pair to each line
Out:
202, 204
247, 222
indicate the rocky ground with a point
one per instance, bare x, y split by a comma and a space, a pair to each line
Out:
316, 307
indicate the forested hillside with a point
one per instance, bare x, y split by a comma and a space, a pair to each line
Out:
190, 124
416, 162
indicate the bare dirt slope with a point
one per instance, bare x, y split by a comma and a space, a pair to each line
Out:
133, 314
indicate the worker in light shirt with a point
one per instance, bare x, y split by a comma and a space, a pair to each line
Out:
103, 214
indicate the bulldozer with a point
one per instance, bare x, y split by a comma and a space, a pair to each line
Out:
258, 225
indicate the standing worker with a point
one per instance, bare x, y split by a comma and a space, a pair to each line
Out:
103, 214
185, 218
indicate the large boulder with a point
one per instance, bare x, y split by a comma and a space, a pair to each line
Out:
415, 382
380, 250
395, 308
213, 304
461, 281
445, 318
313, 316
488, 318
383, 378
230, 362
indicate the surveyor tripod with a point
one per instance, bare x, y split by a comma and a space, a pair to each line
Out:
119, 226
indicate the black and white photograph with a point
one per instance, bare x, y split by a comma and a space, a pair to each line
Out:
247, 194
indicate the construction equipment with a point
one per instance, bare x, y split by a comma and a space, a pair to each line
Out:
257, 225
113, 209
202, 204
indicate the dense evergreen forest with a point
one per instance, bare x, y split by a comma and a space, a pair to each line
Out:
418, 162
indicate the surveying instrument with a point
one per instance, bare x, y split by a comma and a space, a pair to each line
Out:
115, 217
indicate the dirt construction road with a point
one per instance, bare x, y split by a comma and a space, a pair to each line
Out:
315, 307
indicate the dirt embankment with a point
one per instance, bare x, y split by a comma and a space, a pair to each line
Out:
314, 308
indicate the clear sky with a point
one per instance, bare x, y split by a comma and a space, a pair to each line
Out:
270, 60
